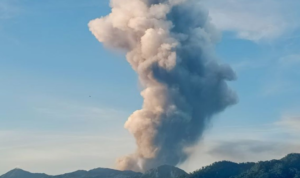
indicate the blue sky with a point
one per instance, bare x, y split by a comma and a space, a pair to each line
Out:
64, 98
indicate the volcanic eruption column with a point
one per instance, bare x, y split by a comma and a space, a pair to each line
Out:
170, 45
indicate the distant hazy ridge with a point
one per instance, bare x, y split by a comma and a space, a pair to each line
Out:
287, 167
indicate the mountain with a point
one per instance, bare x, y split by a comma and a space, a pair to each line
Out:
164, 172
160, 172
223, 169
100, 173
287, 167
95, 173
19, 173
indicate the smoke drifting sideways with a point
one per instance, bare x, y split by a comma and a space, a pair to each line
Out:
170, 45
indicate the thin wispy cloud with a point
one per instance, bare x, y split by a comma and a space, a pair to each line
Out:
291, 122
243, 150
64, 110
276, 87
291, 60
243, 144
41, 151
251, 150
257, 20
282, 75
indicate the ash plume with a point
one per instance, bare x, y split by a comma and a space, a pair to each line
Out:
170, 45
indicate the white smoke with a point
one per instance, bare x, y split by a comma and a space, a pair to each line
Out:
169, 44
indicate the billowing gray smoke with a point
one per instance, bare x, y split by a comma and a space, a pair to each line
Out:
170, 46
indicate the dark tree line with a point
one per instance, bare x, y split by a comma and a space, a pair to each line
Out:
288, 167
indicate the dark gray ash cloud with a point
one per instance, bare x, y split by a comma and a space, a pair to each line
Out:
170, 44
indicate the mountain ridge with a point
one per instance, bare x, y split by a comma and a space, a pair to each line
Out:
95, 173
287, 167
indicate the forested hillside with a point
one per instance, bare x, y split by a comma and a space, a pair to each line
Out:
287, 167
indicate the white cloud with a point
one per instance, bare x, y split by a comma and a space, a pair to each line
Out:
254, 20
291, 122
